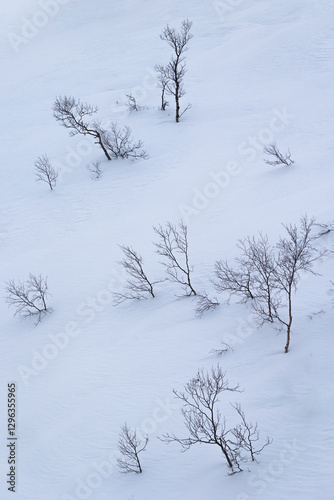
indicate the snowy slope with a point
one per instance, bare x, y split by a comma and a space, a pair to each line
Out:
257, 71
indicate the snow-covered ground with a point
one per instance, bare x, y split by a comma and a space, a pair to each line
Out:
258, 71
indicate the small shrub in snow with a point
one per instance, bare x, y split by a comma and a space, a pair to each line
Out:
115, 143
277, 158
45, 171
95, 169
29, 298
204, 304
138, 286
332, 290
205, 424
130, 446
173, 245
120, 144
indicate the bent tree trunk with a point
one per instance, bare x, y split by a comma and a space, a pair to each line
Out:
100, 143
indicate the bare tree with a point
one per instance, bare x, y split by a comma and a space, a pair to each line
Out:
173, 245
204, 304
278, 158
296, 254
204, 422
235, 282
115, 142
45, 171
266, 276
132, 103
259, 260
95, 169
72, 114
120, 144
163, 80
130, 446
29, 298
138, 286
173, 73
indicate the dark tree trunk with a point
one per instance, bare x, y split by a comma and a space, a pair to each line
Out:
288, 331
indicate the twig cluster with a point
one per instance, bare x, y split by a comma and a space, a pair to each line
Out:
173, 246
29, 298
132, 103
325, 228
95, 169
278, 158
115, 142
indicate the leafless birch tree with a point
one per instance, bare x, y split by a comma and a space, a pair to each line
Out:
138, 286
173, 245
170, 77
266, 276
45, 171
205, 424
130, 446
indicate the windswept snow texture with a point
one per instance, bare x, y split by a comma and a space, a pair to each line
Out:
258, 71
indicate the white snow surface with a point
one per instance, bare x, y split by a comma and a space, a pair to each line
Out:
258, 70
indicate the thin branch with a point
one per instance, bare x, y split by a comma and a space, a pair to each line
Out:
204, 304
